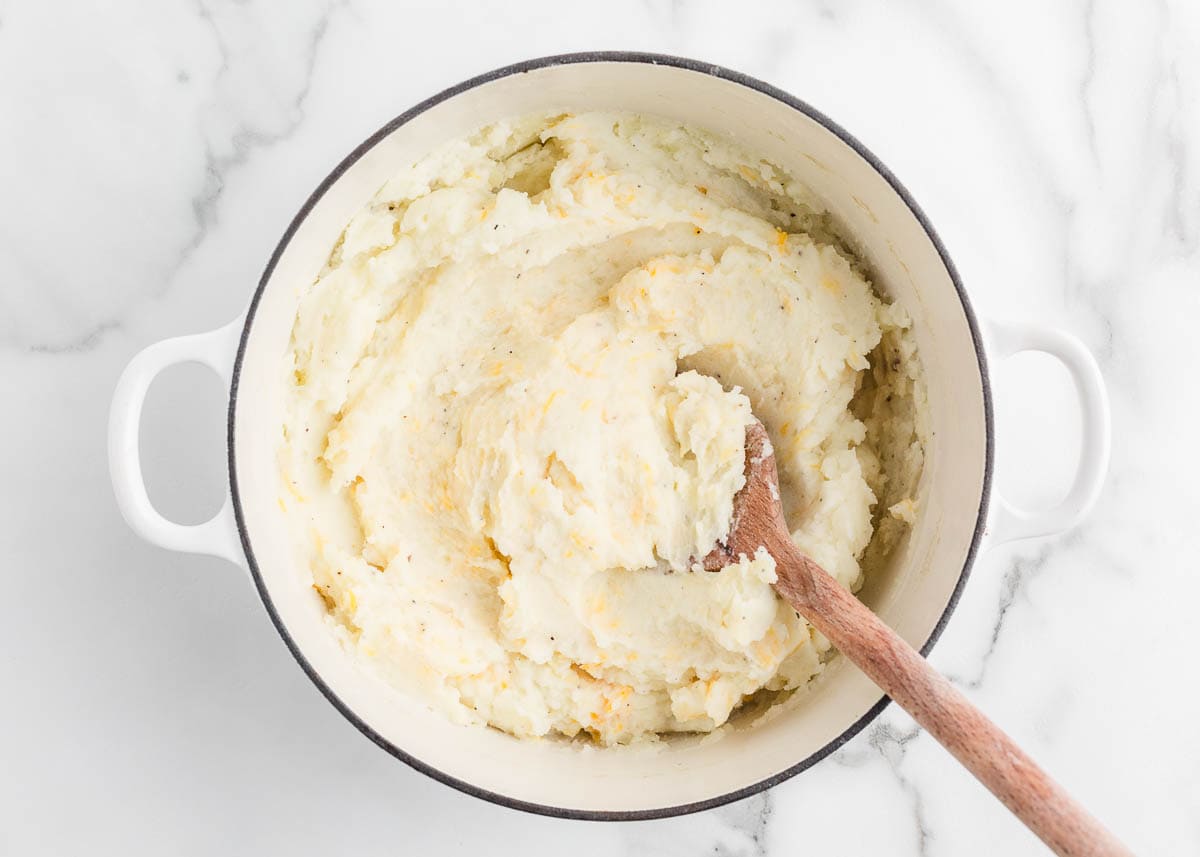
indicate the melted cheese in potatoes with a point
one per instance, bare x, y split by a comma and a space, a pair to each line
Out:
518, 394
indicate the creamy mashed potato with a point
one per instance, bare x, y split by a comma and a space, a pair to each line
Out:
517, 401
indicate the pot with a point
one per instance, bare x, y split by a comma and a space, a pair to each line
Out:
915, 593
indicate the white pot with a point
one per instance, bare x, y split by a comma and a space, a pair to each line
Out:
914, 595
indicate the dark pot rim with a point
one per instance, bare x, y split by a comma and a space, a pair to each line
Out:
521, 68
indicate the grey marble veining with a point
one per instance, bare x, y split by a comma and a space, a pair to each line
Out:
152, 154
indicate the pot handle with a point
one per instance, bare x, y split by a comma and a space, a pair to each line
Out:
1007, 523
217, 536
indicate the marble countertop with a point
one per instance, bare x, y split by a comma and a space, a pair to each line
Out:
152, 153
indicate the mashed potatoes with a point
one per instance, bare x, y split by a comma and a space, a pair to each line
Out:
518, 395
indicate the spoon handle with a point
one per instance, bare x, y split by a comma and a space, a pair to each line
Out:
978, 743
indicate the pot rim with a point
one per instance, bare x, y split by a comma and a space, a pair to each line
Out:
712, 70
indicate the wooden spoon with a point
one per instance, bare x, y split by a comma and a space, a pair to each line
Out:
982, 748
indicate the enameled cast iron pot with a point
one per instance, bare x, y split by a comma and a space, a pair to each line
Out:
915, 594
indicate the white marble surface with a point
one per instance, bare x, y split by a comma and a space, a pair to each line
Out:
152, 153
